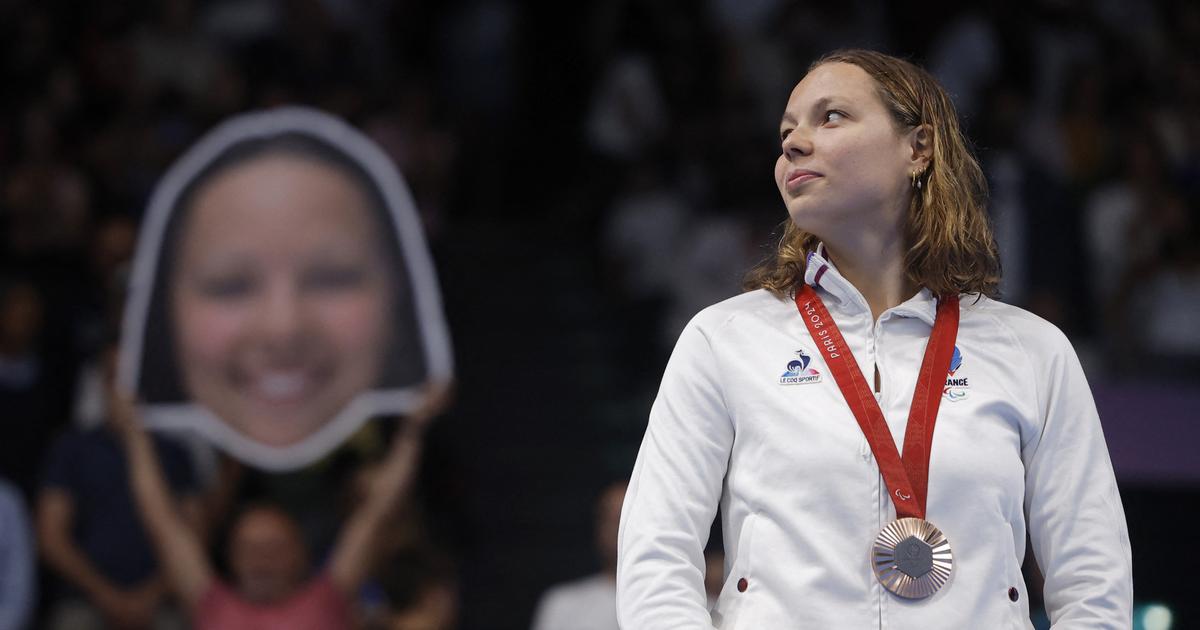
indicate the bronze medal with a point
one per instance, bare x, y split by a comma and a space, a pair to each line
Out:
912, 558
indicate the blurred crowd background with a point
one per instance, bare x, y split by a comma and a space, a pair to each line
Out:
590, 175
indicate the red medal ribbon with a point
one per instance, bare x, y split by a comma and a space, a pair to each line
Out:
907, 479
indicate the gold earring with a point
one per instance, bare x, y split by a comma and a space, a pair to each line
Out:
916, 179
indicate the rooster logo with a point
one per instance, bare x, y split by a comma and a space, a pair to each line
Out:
796, 367
798, 372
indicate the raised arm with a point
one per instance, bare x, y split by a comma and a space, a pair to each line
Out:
352, 555
180, 550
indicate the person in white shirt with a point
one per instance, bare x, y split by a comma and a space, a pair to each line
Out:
588, 603
790, 406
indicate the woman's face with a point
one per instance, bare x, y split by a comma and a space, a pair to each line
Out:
844, 166
267, 556
281, 297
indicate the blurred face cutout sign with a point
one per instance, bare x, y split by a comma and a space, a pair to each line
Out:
282, 292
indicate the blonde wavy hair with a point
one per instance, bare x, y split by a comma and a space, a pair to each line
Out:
949, 244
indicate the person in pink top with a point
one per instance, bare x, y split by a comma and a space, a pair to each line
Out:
270, 587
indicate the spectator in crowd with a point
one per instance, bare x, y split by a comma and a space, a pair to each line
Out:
642, 238
89, 532
421, 590
16, 560
1160, 292
1122, 218
24, 389
270, 585
423, 148
414, 584
99, 310
589, 603
627, 112
711, 245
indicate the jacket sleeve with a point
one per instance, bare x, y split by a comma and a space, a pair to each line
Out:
1076, 521
673, 494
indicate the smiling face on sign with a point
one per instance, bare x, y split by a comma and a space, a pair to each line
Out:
844, 164
280, 296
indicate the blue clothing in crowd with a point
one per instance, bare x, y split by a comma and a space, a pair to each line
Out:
16, 560
90, 466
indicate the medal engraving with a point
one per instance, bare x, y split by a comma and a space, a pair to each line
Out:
912, 558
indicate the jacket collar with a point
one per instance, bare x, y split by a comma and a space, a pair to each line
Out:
820, 273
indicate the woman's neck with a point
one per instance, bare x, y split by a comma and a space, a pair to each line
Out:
875, 266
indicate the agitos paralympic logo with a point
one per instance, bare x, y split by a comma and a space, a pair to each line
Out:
956, 386
798, 372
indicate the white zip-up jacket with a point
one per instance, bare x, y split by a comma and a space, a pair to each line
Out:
749, 417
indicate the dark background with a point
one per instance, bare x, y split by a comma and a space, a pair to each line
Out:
590, 174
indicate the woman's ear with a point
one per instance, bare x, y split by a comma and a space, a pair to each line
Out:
921, 140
